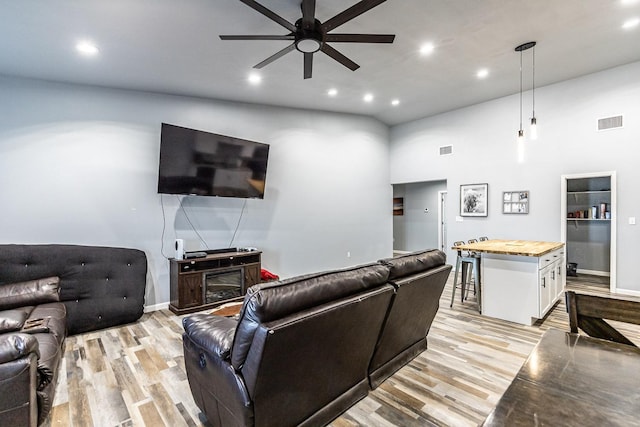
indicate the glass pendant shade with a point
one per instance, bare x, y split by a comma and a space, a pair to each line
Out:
534, 129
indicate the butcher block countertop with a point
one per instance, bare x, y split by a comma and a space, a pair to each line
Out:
512, 247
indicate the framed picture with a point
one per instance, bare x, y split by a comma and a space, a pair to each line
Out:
515, 202
473, 199
398, 206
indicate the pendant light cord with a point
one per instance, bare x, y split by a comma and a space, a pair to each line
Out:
533, 90
520, 90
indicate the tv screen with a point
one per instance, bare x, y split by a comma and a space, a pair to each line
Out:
201, 163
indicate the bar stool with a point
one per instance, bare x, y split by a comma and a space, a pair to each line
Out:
476, 268
465, 263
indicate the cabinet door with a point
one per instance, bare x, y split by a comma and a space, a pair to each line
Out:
554, 284
545, 285
251, 275
560, 270
190, 290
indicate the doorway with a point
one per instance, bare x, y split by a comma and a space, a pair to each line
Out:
588, 225
422, 222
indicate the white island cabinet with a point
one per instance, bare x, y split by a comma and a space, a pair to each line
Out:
521, 280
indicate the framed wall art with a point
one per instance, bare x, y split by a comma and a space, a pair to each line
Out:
398, 206
515, 202
473, 199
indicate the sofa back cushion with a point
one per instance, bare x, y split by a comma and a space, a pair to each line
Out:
30, 292
273, 300
414, 262
100, 286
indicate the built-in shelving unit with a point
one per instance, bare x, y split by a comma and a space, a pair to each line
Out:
592, 205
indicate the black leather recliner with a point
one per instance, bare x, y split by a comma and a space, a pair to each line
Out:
302, 344
302, 350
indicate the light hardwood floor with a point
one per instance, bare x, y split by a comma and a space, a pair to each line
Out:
134, 375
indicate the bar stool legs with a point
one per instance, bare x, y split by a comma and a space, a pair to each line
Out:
470, 266
464, 266
474, 271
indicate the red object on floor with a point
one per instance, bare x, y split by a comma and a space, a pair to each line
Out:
267, 276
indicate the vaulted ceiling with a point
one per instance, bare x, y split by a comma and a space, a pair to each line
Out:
173, 47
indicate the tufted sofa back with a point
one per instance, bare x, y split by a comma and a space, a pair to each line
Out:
100, 286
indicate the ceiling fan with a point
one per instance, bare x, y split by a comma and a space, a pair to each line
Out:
310, 35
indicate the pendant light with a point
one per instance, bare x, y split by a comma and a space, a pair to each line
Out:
534, 134
534, 122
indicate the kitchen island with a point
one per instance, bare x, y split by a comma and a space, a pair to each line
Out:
521, 279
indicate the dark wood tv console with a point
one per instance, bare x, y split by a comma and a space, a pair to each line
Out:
200, 283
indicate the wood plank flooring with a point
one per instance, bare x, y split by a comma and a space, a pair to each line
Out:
134, 375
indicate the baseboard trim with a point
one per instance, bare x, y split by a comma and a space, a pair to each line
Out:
156, 307
594, 272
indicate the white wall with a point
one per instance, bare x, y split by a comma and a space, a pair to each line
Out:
484, 151
79, 165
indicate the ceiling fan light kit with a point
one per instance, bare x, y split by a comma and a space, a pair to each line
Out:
308, 35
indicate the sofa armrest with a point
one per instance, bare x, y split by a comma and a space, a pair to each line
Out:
213, 333
19, 355
16, 346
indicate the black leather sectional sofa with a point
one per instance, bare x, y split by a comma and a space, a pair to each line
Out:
47, 292
303, 350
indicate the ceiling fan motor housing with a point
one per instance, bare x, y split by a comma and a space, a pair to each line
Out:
308, 40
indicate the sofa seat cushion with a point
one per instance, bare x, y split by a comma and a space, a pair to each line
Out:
266, 302
414, 262
30, 292
13, 320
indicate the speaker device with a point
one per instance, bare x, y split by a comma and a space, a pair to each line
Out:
179, 246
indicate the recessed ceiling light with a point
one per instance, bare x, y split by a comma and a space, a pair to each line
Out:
427, 49
628, 1
255, 78
631, 23
482, 73
395, 102
368, 97
87, 48
332, 92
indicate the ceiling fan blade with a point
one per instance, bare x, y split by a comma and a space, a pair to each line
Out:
275, 56
353, 12
269, 14
339, 57
360, 38
308, 14
308, 65
258, 37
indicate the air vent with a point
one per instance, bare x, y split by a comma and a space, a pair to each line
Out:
610, 123
447, 149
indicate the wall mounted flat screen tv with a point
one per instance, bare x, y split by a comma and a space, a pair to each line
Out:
201, 163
